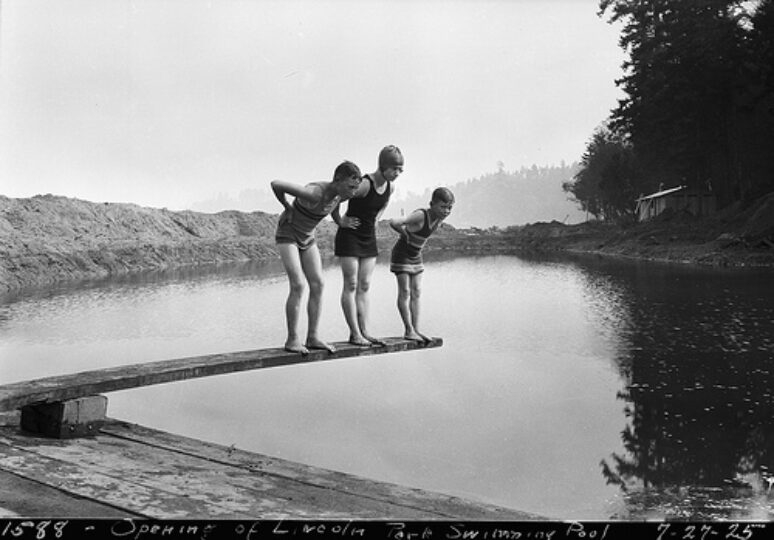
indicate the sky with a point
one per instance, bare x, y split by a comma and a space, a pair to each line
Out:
165, 103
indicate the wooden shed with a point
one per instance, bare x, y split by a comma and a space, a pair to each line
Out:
678, 199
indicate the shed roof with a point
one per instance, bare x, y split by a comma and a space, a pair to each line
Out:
661, 193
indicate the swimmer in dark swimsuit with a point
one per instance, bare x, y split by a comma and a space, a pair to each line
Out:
355, 244
298, 249
406, 260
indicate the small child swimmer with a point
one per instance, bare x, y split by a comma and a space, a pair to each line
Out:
406, 261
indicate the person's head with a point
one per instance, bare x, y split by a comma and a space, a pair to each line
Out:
390, 162
346, 179
441, 202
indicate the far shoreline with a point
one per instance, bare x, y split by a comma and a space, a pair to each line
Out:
49, 240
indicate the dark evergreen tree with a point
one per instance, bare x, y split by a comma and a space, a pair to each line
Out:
698, 83
607, 183
754, 122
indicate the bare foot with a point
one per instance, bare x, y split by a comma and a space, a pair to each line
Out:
320, 344
425, 338
375, 341
360, 341
413, 336
296, 347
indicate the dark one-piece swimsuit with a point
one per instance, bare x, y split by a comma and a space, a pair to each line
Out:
361, 242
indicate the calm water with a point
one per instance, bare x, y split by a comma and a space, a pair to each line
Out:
580, 389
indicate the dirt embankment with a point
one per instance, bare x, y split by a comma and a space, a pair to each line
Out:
740, 235
49, 239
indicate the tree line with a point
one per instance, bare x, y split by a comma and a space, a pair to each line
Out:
698, 109
504, 198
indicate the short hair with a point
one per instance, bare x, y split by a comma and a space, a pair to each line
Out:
442, 194
346, 170
390, 156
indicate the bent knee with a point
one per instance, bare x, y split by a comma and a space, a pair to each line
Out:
349, 285
316, 287
297, 286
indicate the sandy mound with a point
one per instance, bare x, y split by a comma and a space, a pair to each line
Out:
46, 239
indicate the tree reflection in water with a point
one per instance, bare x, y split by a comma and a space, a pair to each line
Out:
698, 398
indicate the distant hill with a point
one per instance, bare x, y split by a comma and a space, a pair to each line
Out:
497, 199
505, 198
247, 200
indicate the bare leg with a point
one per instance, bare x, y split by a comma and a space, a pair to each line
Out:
365, 271
416, 293
349, 272
292, 263
312, 267
404, 295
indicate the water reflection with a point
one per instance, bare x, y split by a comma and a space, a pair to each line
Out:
186, 276
696, 352
573, 388
129, 319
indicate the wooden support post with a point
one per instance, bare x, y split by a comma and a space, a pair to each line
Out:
65, 419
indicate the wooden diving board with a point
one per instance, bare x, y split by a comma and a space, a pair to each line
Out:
88, 383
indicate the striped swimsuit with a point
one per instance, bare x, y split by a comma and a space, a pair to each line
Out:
407, 252
300, 229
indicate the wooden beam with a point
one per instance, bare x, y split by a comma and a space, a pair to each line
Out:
145, 472
88, 383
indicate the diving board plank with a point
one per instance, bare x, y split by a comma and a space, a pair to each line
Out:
88, 383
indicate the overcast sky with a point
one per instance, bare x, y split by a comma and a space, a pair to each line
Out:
166, 103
